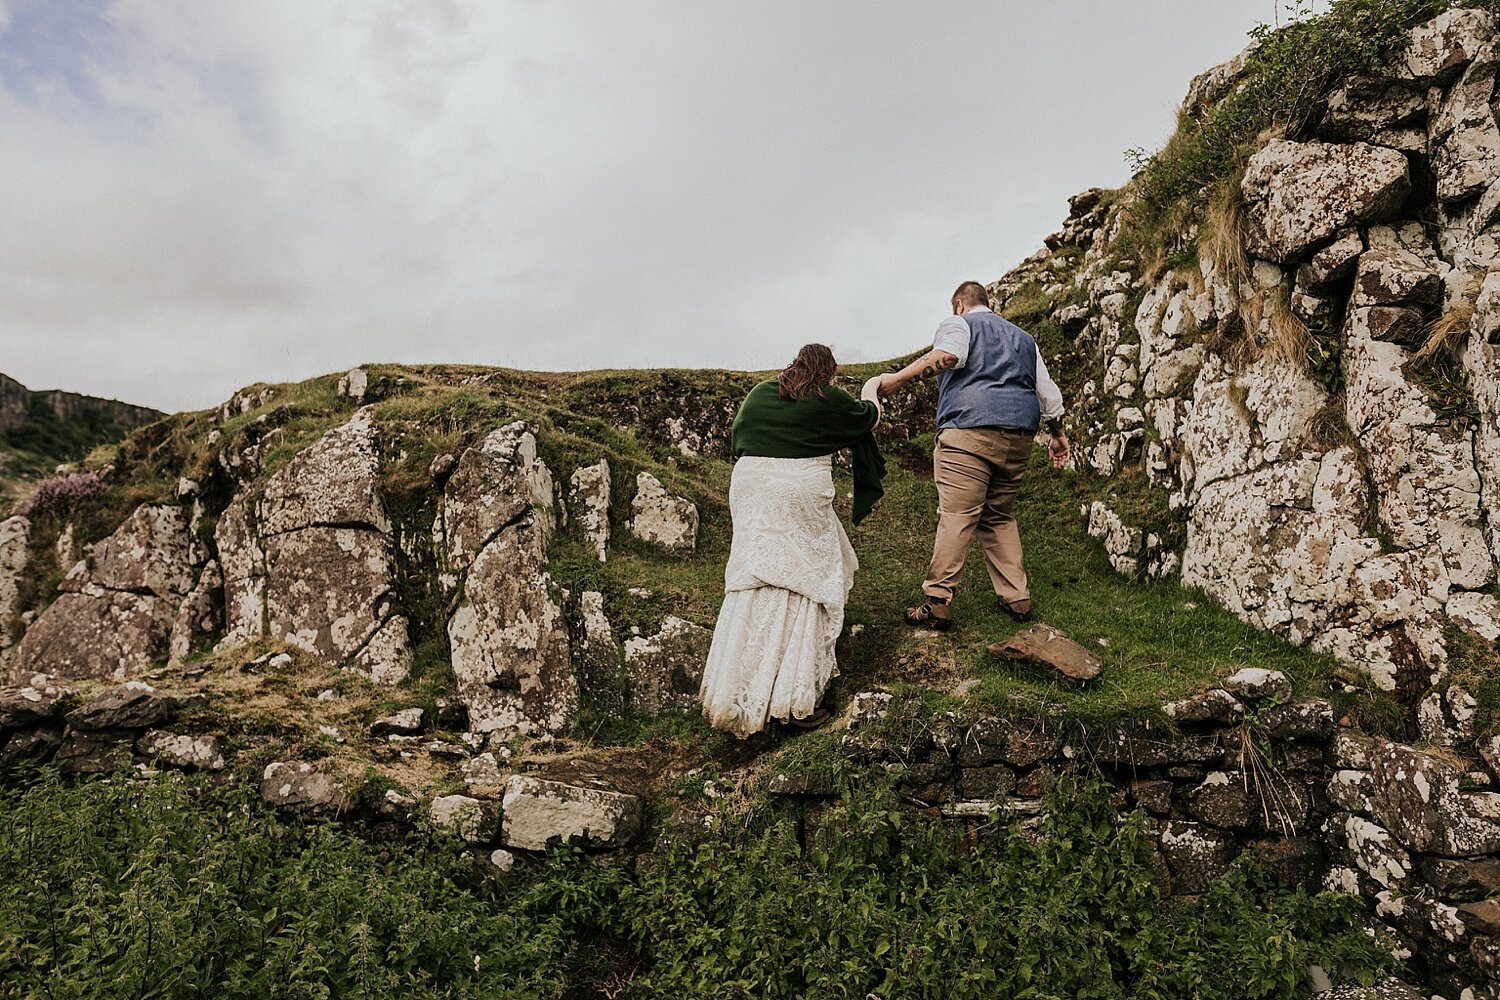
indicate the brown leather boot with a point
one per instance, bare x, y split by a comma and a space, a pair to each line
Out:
934, 613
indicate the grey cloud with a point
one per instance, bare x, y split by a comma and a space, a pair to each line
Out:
275, 190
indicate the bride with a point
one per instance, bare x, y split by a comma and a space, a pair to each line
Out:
790, 562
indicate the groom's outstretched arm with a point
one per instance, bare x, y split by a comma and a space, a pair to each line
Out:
932, 363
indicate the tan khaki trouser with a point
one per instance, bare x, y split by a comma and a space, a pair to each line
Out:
978, 473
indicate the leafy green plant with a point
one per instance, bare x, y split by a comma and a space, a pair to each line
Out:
162, 890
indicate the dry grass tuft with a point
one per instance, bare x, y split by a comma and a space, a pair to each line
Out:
1329, 427
1289, 336
1226, 231
1447, 333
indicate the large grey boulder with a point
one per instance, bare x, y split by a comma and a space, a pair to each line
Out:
150, 552
1422, 466
662, 519
539, 813
311, 563
329, 592
1300, 194
508, 635
1393, 275
103, 635
510, 641
1444, 45
1369, 108
588, 504
666, 669
116, 612
334, 481
497, 482
114, 617
1419, 798
1465, 138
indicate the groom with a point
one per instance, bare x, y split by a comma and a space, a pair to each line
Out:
994, 393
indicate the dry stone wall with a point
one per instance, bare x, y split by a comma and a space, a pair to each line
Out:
1244, 768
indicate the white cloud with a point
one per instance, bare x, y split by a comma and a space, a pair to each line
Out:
272, 190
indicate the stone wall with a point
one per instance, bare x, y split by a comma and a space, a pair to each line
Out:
1246, 769
1242, 769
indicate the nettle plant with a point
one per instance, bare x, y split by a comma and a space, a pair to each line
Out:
159, 890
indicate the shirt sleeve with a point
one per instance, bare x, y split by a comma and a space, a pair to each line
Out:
860, 412
953, 336
1047, 392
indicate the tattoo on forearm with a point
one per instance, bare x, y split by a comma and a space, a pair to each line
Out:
931, 366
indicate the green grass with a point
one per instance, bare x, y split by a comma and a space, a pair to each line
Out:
1159, 641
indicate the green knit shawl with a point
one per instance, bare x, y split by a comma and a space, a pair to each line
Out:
771, 426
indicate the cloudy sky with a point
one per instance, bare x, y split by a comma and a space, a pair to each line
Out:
199, 195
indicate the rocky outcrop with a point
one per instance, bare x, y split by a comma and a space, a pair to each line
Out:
15, 540
1344, 509
115, 614
662, 519
666, 669
310, 562
588, 504
1299, 194
509, 636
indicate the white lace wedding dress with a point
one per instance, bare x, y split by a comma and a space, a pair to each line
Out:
789, 573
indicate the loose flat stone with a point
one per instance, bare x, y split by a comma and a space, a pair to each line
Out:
539, 813
134, 705
1044, 646
406, 721
1258, 682
192, 752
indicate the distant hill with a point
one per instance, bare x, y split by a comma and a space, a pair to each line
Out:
40, 430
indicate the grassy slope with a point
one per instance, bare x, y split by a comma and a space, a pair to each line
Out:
1159, 641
